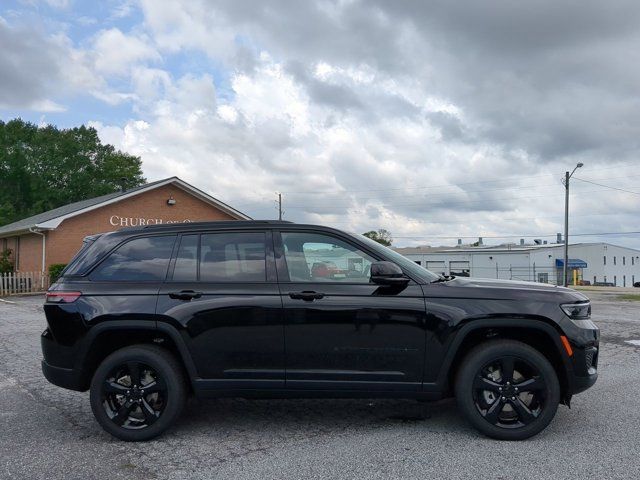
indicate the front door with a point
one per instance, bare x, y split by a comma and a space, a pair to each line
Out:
223, 295
341, 331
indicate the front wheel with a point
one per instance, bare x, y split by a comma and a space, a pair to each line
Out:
507, 390
137, 392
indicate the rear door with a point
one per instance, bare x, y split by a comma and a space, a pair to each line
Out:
125, 284
223, 296
341, 331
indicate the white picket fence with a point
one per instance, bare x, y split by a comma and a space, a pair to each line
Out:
23, 282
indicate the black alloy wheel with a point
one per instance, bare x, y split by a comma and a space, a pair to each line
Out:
134, 395
507, 390
138, 392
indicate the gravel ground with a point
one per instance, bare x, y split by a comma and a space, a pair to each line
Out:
48, 432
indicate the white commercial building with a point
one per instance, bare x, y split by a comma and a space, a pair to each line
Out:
589, 263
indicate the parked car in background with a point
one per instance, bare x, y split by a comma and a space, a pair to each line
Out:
144, 317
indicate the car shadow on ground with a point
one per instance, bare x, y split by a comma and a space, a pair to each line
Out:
315, 414
228, 418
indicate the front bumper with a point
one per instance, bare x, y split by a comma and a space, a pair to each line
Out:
584, 361
580, 384
585, 367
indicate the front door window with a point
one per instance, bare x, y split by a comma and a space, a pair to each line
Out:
313, 257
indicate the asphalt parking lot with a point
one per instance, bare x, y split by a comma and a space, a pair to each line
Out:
48, 432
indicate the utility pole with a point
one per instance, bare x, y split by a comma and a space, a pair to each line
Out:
567, 177
279, 206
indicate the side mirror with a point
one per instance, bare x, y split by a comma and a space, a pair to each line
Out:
387, 273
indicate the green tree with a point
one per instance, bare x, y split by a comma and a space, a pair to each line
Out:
382, 236
46, 167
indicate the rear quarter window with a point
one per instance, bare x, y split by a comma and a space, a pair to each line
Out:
139, 260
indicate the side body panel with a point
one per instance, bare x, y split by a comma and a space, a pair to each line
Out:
233, 333
355, 337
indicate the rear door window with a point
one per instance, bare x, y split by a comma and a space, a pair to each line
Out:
233, 257
139, 260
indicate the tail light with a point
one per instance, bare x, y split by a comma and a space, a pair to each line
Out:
62, 297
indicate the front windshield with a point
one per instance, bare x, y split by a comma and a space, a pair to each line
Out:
402, 261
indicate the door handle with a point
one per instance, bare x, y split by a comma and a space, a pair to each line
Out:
306, 295
185, 295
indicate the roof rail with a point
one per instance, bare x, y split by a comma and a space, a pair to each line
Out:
220, 223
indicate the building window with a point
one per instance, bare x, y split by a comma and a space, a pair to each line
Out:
605, 259
459, 269
614, 260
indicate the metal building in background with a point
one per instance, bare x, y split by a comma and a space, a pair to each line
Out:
589, 263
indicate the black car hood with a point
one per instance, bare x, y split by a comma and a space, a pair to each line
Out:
513, 285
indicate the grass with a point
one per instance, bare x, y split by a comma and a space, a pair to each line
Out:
634, 297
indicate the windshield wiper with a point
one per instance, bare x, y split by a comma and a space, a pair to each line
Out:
444, 278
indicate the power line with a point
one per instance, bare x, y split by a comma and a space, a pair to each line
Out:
445, 194
453, 185
412, 188
606, 186
511, 179
426, 204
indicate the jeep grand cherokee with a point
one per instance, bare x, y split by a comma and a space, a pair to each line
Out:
144, 317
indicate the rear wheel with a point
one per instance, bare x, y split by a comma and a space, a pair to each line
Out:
507, 390
137, 392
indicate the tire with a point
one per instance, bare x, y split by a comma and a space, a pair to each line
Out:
484, 387
138, 414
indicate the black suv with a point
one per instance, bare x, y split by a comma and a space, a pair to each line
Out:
143, 317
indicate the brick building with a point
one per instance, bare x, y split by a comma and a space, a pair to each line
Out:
55, 236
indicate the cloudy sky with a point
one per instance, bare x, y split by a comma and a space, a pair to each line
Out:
432, 119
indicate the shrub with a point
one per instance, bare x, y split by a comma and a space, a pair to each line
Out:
55, 269
6, 266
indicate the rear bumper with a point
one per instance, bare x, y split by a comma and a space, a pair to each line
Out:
58, 366
63, 377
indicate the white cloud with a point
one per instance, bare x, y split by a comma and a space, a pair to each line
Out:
425, 118
58, 3
115, 53
36, 69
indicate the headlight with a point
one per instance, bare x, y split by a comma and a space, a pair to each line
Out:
577, 311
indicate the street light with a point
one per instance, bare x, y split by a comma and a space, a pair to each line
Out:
567, 176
